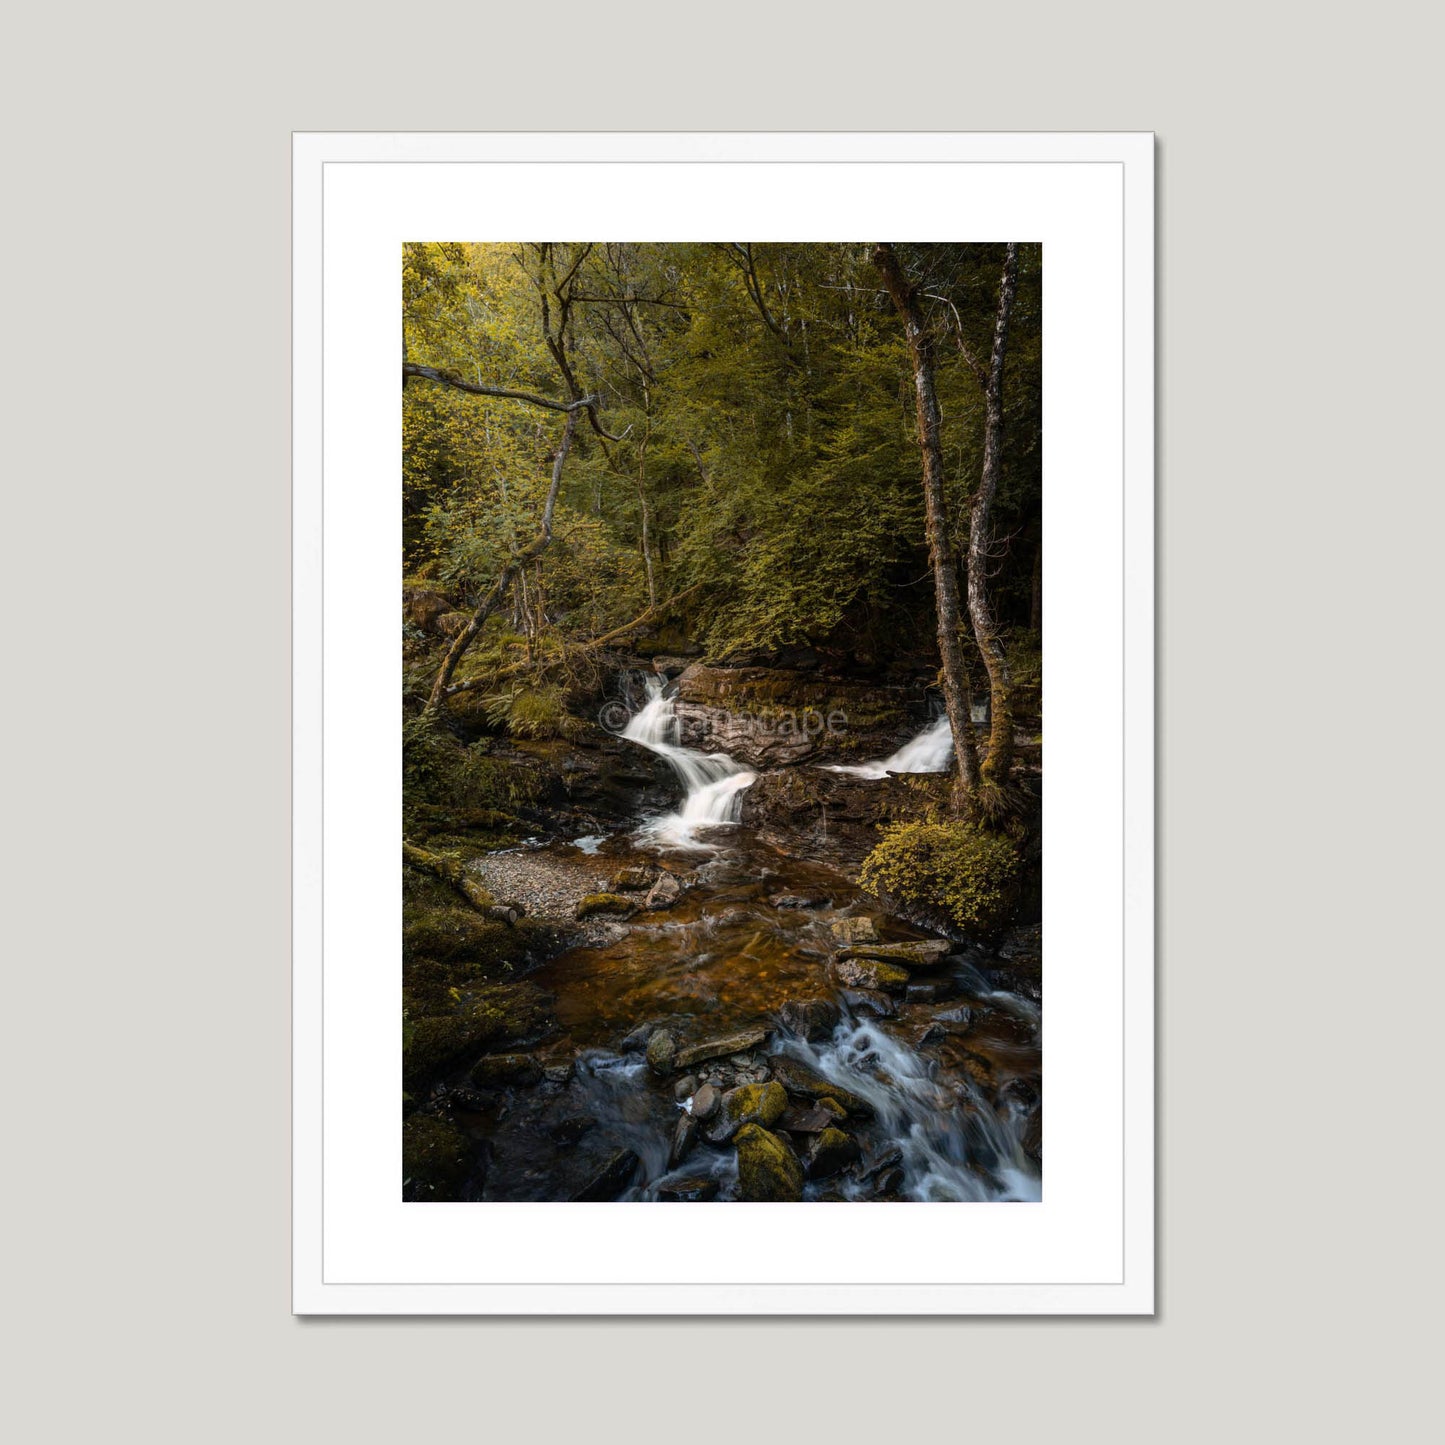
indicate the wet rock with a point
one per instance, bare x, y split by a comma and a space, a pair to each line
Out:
693, 1190
829, 1153
767, 1169
436, 1158
867, 1000
506, 1071
628, 880
813, 1118
683, 1138
664, 893
469, 1101
806, 1083
934, 1033
721, 1048
608, 904
636, 1041
1033, 1140
570, 1130
888, 1185
796, 900
890, 1156
813, 1019
661, 1052
612, 1179
558, 1074
748, 1104
705, 1102
870, 973
925, 953
854, 930
932, 992
958, 1015
496, 1014
684, 1087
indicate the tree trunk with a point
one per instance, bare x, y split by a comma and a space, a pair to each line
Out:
940, 545
455, 876
997, 763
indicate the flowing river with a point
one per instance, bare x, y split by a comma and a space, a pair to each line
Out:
944, 1076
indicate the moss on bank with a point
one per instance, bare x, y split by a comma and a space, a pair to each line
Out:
970, 875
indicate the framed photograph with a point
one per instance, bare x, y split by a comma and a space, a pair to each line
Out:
723, 716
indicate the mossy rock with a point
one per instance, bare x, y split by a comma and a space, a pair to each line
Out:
498, 1014
511, 1012
870, 973
748, 1104
661, 1051
427, 988
768, 1171
605, 903
830, 1152
461, 935
506, 1071
968, 874
803, 1082
436, 1159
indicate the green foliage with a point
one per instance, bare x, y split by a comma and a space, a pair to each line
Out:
968, 874
457, 796
534, 712
766, 462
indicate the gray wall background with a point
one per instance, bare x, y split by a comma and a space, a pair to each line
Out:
147, 268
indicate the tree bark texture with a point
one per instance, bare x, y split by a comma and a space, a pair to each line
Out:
940, 545
999, 758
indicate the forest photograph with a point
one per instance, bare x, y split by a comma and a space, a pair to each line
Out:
722, 721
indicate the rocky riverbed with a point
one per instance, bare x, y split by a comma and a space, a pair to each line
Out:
734, 1024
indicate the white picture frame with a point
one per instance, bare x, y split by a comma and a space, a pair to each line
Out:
1088, 1247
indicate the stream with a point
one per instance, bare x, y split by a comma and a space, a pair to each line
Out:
942, 1077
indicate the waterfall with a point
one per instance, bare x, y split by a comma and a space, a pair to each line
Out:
714, 783
929, 752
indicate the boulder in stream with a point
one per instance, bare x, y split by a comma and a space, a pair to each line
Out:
869, 1000
830, 1152
696, 1189
924, 953
720, 1048
631, 880
803, 1082
870, 973
813, 1019
683, 1138
768, 1171
812, 1118
616, 1175
661, 1052
664, 893
854, 930
747, 1104
506, 1071
705, 1102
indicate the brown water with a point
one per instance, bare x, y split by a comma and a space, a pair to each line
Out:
951, 1096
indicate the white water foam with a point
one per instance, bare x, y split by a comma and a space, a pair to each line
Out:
714, 783
930, 752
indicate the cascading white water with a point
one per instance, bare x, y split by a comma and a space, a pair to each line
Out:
929, 752
954, 1145
714, 782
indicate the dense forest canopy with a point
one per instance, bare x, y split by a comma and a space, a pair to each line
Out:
746, 468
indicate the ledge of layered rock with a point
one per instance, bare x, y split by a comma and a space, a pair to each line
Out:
804, 1082
719, 1048
924, 953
